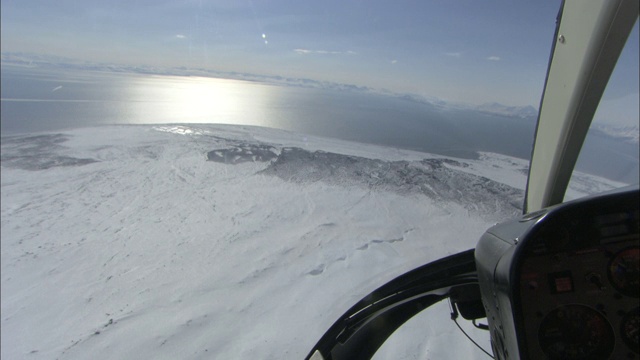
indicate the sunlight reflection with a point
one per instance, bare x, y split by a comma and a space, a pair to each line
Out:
175, 99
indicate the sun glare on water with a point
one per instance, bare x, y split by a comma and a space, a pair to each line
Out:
173, 99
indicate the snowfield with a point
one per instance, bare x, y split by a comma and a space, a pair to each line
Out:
228, 242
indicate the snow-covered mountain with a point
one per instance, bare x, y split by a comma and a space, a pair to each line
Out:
165, 242
629, 134
523, 112
56, 62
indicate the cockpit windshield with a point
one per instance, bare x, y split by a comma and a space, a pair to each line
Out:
222, 179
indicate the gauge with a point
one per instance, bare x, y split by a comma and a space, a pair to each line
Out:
624, 272
575, 332
630, 329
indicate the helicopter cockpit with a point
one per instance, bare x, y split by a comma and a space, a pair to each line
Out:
562, 280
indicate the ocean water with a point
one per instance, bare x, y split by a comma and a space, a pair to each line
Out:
43, 99
38, 99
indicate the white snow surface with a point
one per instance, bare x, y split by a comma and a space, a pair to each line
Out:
124, 242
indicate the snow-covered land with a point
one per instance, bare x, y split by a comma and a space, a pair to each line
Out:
630, 134
175, 242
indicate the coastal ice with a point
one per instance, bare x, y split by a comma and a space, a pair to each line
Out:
229, 242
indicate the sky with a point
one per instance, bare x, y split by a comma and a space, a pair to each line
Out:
462, 51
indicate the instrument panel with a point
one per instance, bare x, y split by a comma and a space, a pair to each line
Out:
564, 282
579, 288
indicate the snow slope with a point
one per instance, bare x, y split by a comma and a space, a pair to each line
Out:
173, 242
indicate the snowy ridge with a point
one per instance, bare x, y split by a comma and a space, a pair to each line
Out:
630, 134
126, 242
523, 112
438, 179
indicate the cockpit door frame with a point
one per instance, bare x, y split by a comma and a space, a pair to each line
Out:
589, 38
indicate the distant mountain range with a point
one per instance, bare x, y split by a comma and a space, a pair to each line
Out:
630, 134
40, 60
523, 112
626, 133
47, 61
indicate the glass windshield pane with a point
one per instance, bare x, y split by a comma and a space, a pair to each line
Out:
223, 179
609, 156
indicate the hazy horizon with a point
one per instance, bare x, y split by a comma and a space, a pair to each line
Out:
51, 100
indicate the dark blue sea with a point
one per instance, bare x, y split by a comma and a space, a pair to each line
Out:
39, 99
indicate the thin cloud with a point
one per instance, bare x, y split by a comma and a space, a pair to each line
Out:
454, 54
394, 61
323, 52
493, 58
180, 36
